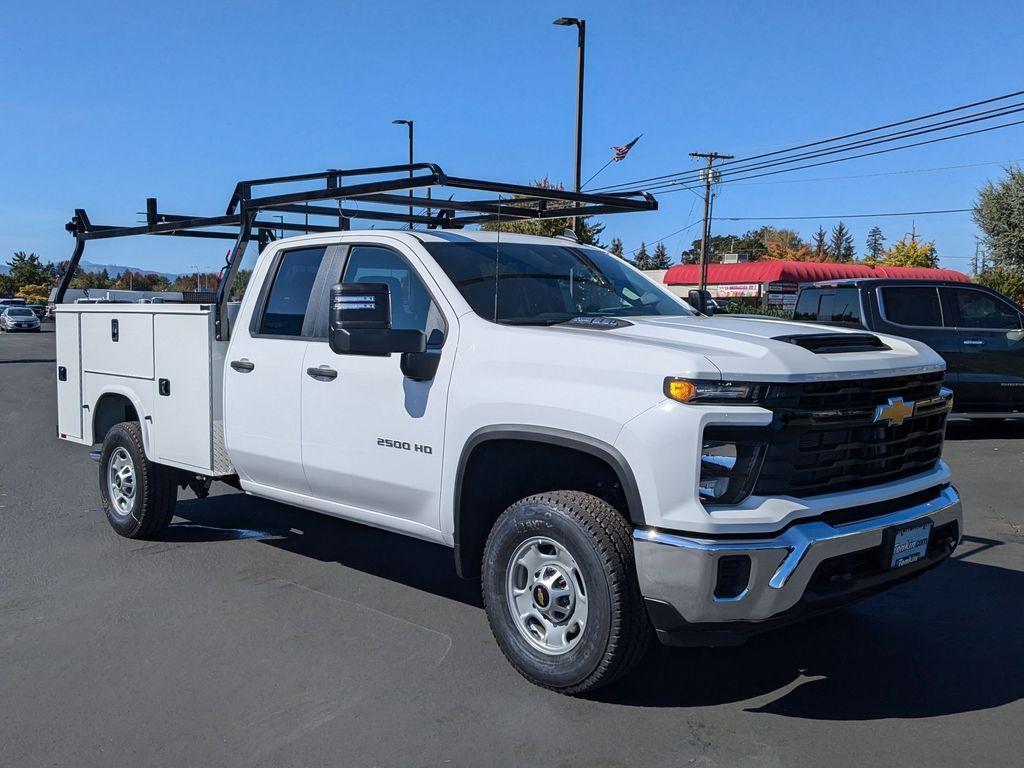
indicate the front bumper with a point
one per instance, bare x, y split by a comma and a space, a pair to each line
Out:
808, 568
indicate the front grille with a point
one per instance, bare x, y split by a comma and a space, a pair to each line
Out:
824, 438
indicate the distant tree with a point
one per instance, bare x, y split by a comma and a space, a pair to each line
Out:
999, 214
660, 258
819, 244
750, 244
7, 286
35, 294
784, 245
875, 250
27, 269
1006, 278
641, 259
616, 247
841, 244
590, 233
911, 253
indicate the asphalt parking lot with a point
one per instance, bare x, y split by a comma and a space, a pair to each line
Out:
257, 634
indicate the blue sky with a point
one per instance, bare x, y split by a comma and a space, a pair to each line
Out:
104, 104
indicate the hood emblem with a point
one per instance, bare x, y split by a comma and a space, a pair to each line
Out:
896, 411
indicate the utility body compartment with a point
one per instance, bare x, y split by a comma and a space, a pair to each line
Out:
160, 357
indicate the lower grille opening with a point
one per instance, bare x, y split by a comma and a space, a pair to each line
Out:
733, 576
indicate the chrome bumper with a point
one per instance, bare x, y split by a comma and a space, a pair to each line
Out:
682, 571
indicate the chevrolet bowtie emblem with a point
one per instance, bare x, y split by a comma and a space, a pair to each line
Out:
895, 411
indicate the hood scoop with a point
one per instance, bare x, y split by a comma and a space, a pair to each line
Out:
833, 343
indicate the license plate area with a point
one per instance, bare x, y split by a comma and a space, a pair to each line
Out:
903, 545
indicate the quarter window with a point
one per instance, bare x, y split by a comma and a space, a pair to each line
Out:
285, 308
912, 306
976, 309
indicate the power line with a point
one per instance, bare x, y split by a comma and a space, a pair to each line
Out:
830, 140
842, 216
691, 225
880, 173
667, 188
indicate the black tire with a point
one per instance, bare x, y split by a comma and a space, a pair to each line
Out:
150, 507
617, 629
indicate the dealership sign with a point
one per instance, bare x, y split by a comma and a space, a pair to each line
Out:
736, 290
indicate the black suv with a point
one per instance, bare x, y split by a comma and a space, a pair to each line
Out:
978, 331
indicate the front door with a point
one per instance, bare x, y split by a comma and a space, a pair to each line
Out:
263, 375
371, 438
989, 328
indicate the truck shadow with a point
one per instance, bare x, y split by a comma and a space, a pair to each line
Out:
414, 563
948, 642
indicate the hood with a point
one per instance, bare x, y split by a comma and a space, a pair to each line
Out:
747, 348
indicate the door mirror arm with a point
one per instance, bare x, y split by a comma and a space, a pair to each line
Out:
421, 366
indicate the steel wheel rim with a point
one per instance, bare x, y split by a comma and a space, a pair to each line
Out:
121, 481
547, 596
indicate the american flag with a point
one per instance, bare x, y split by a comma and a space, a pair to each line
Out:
621, 152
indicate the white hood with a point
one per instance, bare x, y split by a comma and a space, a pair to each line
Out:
748, 348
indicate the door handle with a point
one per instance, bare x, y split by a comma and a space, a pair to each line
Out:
974, 342
242, 366
323, 373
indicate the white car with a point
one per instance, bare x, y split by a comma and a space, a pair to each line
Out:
15, 318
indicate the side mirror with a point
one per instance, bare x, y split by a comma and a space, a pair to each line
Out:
701, 301
360, 322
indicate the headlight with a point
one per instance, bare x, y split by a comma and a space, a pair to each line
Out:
699, 391
728, 470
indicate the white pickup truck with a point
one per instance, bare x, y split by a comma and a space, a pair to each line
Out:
613, 465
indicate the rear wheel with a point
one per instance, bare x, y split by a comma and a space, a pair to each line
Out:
561, 594
138, 495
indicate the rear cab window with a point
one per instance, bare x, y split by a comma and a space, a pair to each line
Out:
915, 306
283, 310
835, 306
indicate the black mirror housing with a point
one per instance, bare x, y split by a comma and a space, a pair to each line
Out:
360, 322
701, 301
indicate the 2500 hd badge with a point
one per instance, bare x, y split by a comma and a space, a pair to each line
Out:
404, 445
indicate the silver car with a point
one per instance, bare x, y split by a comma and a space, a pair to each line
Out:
18, 319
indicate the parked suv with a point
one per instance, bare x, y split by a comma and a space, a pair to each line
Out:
977, 331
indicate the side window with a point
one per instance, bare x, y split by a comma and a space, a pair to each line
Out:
846, 309
411, 305
976, 309
284, 309
807, 306
912, 306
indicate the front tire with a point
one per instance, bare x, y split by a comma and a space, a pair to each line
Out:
138, 495
561, 594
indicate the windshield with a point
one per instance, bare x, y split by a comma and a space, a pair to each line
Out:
19, 312
545, 284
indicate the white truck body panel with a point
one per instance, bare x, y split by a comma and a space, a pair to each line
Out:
149, 342
69, 382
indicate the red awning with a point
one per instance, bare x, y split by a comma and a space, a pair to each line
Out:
800, 272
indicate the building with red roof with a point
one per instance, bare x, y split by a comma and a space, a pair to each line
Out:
776, 283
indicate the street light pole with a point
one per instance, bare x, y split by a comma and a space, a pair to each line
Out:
408, 123
581, 43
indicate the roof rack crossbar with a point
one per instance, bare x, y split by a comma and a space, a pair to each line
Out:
240, 222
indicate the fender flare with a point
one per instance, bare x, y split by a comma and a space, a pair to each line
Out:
551, 436
129, 395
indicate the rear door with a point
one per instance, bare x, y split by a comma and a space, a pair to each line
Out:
916, 312
264, 373
991, 337
69, 375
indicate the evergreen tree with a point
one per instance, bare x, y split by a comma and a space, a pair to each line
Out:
660, 258
589, 233
875, 245
841, 245
999, 214
819, 244
641, 259
616, 247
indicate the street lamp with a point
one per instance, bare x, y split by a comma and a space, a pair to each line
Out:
581, 42
408, 123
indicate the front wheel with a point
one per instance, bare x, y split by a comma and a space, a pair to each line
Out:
138, 495
560, 589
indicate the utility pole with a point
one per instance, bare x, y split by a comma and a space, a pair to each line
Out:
710, 175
